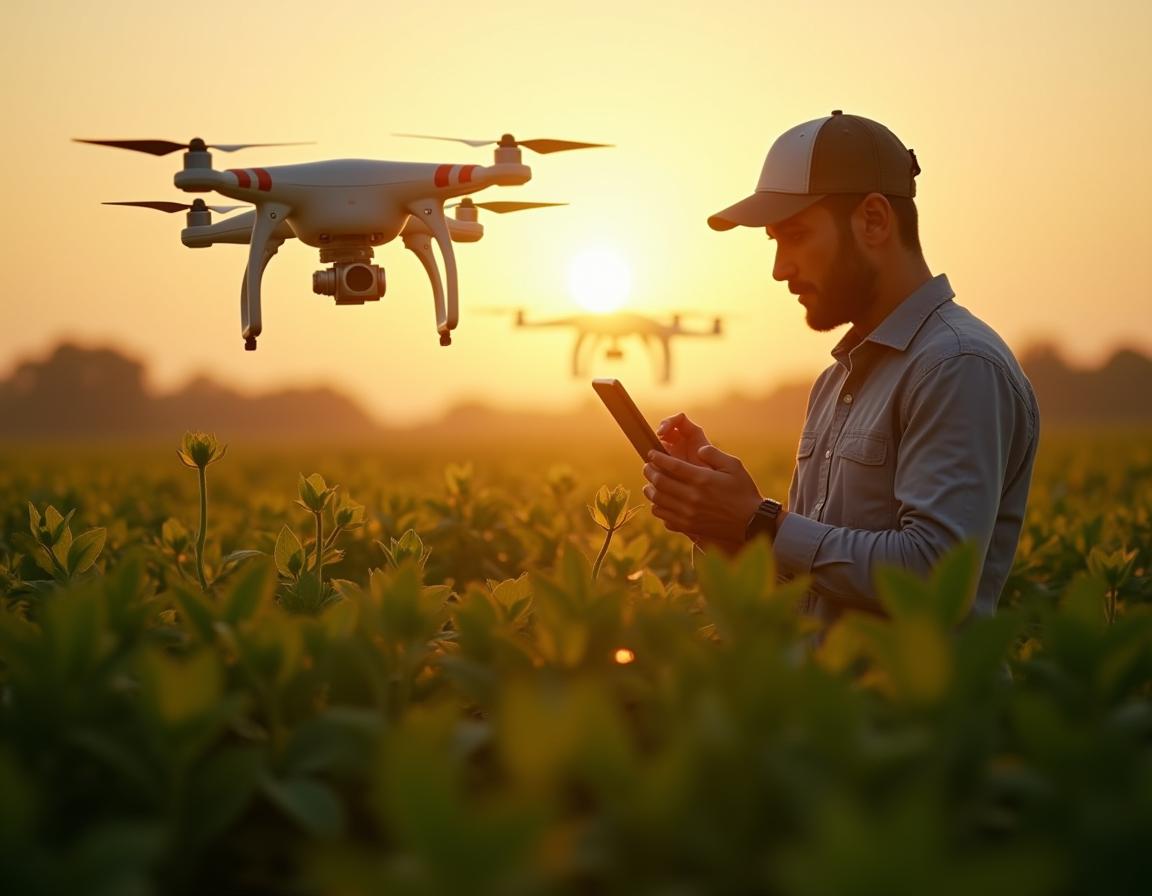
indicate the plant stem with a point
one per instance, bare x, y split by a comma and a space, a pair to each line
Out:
600, 557
203, 528
319, 546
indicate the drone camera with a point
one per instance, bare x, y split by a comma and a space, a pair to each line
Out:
351, 283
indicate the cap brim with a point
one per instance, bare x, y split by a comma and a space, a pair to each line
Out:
762, 209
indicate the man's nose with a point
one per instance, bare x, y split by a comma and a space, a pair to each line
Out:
782, 268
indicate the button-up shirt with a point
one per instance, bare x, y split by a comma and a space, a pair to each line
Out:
921, 434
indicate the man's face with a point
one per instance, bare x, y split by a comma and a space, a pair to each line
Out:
824, 266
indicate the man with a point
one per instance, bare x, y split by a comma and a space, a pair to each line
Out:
920, 435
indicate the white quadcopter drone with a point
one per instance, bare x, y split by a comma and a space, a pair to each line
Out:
594, 329
344, 208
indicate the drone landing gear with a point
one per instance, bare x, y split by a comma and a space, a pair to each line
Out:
263, 246
428, 215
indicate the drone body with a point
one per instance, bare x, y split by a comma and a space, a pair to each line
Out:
345, 208
592, 330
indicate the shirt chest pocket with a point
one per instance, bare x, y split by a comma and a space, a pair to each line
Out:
804, 476
864, 447
864, 478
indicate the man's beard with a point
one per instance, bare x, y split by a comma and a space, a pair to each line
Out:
848, 289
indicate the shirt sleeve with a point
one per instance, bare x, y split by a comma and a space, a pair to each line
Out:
960, 420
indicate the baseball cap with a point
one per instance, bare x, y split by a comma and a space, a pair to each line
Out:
835, 154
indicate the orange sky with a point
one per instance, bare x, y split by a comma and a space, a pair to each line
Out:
1032, 125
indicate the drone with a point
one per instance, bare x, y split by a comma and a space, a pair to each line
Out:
592, 330
344, 208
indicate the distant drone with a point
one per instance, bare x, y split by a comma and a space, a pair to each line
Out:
595, 329
344, 208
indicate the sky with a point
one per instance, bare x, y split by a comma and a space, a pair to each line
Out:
1031, 121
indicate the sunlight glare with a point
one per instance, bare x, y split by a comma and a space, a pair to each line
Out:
599, 279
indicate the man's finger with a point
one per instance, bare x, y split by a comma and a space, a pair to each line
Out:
672, 522
681, 424
679, 469
718, 460
667, 484
668, 423
668, 503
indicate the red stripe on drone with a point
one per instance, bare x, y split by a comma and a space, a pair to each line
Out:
264, 179
466, 173
443, 173
242, 177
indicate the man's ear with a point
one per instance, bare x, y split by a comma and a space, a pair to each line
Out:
875, 220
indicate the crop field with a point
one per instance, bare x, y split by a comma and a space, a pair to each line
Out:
474, 670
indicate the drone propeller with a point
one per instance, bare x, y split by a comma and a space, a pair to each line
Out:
501, 208
164, 147
541, 146
170, 207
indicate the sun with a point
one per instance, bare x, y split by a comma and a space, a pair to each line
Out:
599, 279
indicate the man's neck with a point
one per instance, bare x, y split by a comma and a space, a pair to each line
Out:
892, 288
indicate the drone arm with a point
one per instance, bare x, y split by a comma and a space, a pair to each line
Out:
558, 322
431, 214
236, 229
268, 218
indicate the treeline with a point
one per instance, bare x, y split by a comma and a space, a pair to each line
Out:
99, 392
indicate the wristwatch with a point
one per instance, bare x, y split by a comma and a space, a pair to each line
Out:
764, 520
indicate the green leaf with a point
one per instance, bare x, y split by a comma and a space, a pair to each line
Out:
224, 786
182, 689
309, 803
902, 593
289, 553
84, 550
341, 739
60, 547
54, 522
1084, 601
954, 583
198, 613
238, 556
510, 591
34, 520
253, 586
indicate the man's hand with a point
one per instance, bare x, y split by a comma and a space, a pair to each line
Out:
710, 497
682, 437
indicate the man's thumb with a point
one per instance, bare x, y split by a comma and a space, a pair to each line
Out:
717, 459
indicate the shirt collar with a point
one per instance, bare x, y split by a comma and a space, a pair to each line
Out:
903, 321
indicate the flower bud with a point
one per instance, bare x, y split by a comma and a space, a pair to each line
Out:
199, 449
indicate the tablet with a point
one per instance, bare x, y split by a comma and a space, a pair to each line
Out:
628, 416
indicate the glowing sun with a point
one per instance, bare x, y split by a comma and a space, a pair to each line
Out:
599, 279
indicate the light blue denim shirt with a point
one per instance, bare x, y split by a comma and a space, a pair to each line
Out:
921, 435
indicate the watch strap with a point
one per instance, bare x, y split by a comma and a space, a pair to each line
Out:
764, 521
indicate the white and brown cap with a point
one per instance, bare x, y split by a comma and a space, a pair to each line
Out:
835, 154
